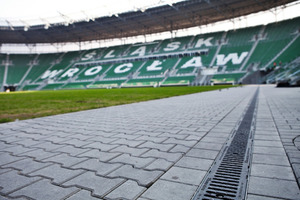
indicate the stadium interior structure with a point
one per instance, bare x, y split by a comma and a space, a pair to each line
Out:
261, 54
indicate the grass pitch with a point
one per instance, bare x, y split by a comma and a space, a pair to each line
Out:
32, 104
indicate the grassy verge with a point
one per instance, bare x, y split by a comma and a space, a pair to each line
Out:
26, 105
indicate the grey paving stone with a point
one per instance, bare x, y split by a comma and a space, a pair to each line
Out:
64, 159
137, 162
130, 150
55, 139
176, 136
184, 175
216, 140
269, 150
208, 145
187, 143
73, 151
273, 188
102, 139
99, 186
130, 143
27, 142
48, 146
143, 177
80, 136
4, 146
2, 171
9, 139
166, 190
296, 169
95, 165
128, 190
194, 163
160, 147
101, 146
6, 158
9, 198
126, 136
56, 173
180, 149
11, 181
266, 137
257, 197
272, 171
203, 153
267, 143
152, 139
270, 159
172, 157
26, 166
159, 164
44, 190
16, 150
102, 156
82, 195
38, 154
76, 142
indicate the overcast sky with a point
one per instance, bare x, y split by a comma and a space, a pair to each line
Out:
15, 9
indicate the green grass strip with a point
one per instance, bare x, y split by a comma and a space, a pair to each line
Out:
26, 105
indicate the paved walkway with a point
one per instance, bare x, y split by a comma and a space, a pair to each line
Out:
159, 149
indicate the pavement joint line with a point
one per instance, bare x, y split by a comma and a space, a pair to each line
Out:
278, 132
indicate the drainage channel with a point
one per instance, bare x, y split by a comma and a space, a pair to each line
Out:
228, 177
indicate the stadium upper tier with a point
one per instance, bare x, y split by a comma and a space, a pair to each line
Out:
184, 14
221, 57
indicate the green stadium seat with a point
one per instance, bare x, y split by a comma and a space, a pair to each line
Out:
76, 85
146, 82
52, 86
44, 62
179, 80
106, 84
19, 67
232, 78
30, 87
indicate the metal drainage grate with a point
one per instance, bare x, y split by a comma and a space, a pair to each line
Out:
228, 177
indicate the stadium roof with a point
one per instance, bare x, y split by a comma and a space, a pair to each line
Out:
168, 17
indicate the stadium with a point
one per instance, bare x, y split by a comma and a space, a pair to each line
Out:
179, 99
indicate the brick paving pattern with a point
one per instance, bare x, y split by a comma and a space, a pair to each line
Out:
160, 149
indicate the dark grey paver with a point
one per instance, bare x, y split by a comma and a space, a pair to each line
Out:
56, 173
99, 186
137, 162
184, 175
83, 195
64, 159
44, 190
101, 168
102, 156
11, 181
166, 190
128, 190
143, 177
195, 163
26, 165
6, 158
274, 188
